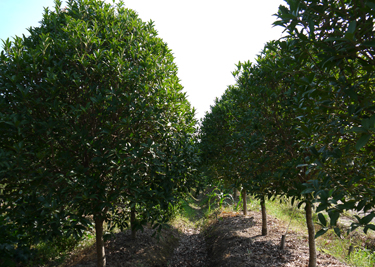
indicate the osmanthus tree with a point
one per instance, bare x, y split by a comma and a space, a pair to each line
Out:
214, 136
278, 96
219, 151
244, 142
238, 132
93, 124
338, 36
268, 126
246, 145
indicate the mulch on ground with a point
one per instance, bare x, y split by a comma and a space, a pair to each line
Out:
235, 240
231, 239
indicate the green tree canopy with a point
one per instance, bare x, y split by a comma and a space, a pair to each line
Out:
93, 122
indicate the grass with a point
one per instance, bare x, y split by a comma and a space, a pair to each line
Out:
363, 245
192, 213
55, 253
59, 251
197, 213
363, 254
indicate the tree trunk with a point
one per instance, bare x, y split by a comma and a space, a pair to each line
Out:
100, 251
132, 223
235, 193
264, 216
311, 231
244, 199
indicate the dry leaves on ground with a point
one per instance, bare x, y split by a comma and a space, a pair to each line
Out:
230, 240
236, 241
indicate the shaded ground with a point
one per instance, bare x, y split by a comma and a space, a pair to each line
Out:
230, 240
122, 251
192, 250
235, 240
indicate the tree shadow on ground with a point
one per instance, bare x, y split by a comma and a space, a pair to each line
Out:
122, 251
231, 241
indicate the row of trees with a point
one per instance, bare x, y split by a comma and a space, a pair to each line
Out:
300, 121
94, 128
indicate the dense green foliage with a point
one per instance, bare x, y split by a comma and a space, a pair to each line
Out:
93, 122
300, 122
336, 44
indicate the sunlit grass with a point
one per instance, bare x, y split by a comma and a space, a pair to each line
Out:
57, 251
199, 212
329, 243
192, 213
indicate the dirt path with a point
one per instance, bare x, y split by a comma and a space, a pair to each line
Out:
191, 250
235, 240
230, 239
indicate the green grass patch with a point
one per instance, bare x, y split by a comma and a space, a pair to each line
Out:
213, 202
53, 252
362, 254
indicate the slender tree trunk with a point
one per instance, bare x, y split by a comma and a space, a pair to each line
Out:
244, 199
264, 216
235, 193
132, 223
311, 231
100, 251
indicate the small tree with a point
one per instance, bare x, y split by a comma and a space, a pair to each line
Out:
93, 123
338, 38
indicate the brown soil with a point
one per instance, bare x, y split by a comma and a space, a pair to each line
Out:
231, 239
121, 250
235, 240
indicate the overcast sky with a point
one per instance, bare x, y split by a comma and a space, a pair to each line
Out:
207, 37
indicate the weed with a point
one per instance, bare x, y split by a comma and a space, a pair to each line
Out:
328, 243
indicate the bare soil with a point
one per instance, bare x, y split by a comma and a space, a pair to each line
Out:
121, 250
235, 240
230, 239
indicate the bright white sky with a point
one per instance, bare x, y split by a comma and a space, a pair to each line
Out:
207, 37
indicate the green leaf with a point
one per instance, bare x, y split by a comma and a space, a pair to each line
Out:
302, 165
368, 218
321, 207
334, 216
315, 183
361, 204
349, 205
322, 219
314, 151
369, 226
370, 4
362, 141
352, 26
307, 191
321, 232
369, 43
358, 130
312, 28
352, 93
337, 231
353, 226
